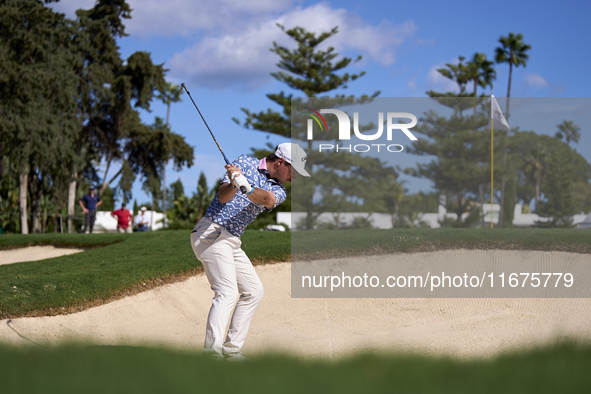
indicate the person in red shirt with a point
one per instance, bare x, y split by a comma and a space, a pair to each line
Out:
124, 218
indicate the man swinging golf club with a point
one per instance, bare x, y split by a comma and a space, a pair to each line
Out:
216, 242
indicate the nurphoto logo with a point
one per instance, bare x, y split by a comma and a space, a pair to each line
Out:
344, 122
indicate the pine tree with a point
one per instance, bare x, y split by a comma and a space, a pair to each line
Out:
314, 73
459, 144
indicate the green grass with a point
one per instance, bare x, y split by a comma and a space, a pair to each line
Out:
127, 261
315, 244
559, 368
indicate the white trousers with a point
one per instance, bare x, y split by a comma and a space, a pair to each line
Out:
232, 277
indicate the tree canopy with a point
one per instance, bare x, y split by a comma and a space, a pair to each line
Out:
70, 103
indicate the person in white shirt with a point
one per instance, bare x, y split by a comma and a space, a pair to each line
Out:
142, 220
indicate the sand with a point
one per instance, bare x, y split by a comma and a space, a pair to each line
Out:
34, 253
174, 315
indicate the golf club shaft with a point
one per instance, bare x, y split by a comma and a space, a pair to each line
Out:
245, 187
206, 125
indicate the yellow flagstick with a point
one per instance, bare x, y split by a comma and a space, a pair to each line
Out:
492, 163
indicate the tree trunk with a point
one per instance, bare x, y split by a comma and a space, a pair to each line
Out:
154, 205
105, 185
509, 203
509, 88
22, 198
45, 222
72, 201
35, 213
460, 210
503, 179
35, 192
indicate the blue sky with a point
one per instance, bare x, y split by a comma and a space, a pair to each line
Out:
220, 49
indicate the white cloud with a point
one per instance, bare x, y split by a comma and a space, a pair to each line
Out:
235, 36
244, 57
185, 17
536, 81
69, 7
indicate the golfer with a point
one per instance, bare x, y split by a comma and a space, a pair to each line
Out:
216, 243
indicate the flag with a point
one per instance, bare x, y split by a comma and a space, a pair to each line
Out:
496, 115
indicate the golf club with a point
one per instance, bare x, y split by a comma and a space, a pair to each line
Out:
240, 180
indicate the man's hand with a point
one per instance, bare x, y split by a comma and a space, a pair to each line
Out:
233, 173
238, 180
82, 206
227, 191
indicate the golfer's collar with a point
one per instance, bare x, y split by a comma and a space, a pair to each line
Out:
263, 168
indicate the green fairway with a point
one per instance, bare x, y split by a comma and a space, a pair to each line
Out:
130, 262
560, 368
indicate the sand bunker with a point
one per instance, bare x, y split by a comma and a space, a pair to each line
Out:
34, 253
174, 315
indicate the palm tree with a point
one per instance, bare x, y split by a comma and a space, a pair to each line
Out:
480, 71
461, 74
513, 52
170, 94
569, 131
458, 73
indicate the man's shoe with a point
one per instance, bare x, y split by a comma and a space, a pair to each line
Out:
236, 357
214, 356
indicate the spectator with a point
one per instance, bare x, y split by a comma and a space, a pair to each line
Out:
92, 202
142, 220
124, 218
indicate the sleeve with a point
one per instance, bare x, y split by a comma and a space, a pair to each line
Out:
280, 195
225, 179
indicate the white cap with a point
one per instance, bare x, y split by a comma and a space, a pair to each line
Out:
143, 208
294, 155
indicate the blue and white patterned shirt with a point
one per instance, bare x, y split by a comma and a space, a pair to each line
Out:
239, 212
